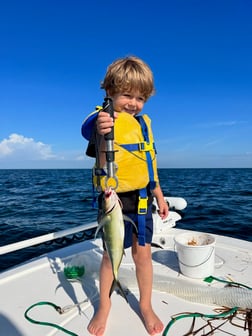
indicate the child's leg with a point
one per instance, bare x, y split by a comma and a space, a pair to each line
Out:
98, 323
144, 273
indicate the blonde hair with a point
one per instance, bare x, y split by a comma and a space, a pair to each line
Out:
127, 74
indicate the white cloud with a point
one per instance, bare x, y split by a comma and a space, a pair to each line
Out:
20, 152
19, 147
80, 158
230, 123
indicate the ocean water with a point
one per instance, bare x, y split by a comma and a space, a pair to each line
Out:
37, 202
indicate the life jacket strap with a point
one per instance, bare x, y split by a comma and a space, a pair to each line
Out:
141, 213
141, 147
148, 154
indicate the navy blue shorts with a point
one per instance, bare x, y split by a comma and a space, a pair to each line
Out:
130, 228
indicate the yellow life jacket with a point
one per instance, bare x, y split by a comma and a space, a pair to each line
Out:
135, 154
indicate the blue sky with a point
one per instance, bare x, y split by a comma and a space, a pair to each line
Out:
54, 54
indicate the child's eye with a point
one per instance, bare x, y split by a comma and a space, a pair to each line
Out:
127, 95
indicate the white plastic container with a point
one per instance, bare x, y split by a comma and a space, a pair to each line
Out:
196, 254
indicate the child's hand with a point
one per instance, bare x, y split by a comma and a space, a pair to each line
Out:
104, 123
163, 209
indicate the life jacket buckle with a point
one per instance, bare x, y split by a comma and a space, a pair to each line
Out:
145, 146
142, 205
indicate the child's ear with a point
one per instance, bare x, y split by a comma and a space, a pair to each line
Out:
108, 94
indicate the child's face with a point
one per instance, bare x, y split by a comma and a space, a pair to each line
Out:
130, 102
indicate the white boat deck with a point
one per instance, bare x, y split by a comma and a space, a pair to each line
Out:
43, 279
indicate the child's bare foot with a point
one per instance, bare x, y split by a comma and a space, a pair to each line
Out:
152, 323
97, 325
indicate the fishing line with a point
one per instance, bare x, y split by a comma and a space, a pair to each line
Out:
221, 315
228, 313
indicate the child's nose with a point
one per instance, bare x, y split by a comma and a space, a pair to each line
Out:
132, 101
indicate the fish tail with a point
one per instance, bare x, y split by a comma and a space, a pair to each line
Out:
116, 284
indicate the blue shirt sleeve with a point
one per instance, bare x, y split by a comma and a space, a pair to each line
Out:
88, 125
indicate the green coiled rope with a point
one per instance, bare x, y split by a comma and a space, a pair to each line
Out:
57, 308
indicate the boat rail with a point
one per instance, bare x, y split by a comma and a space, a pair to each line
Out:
45, 238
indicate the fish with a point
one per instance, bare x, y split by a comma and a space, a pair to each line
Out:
112, 223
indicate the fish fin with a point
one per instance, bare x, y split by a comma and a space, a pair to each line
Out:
100, 226
97, 231
116, 283
127, 219
102, 221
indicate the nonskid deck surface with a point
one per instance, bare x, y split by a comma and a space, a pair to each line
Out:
43, 280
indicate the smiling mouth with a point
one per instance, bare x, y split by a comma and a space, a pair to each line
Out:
130, 111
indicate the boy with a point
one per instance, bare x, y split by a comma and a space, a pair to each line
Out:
129, 83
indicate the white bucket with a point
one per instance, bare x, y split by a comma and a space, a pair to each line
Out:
196, 253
